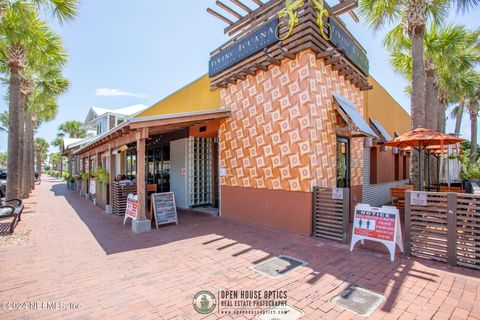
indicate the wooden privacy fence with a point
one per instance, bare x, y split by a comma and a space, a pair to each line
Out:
447, 229
331, 216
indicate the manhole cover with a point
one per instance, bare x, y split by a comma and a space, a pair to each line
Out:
359, 300
278, 266
281, 313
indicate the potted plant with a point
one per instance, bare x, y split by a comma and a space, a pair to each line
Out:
102, 179
83, 189
470, 172
71, 182
78, 182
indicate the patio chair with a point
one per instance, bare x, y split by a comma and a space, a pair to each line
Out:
11, 209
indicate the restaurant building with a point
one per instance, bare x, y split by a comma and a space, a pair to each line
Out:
284, 109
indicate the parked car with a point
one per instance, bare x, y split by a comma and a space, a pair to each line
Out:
3, 174
3, 188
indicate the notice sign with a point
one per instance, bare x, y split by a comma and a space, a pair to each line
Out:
418, 198
377, 224
337, 193
132, 208
164, 208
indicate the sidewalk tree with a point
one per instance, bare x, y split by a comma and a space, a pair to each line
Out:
72, 129
23, 40
411, 18
41, 153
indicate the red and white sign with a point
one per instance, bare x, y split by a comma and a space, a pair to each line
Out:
377, 224
132, 208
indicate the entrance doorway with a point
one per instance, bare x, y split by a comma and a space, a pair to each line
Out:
343, 162
158, 167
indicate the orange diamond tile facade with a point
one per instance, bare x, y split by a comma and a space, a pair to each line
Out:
281, 133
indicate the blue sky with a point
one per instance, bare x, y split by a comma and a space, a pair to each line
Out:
123, 54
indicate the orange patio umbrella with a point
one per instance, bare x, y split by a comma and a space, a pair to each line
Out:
420, 139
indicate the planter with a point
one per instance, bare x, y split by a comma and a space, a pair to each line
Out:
78, 185
102, 195
71, 185
83, 188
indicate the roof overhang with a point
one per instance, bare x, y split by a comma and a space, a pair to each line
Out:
155, 125
357, 126
381, 132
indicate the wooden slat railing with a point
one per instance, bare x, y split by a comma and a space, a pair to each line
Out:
330, 216
447, 229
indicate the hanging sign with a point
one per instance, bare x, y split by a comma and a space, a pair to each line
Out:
418, 198
132, 208
256, 41
342, 40
377, 224
164, 208
92, 187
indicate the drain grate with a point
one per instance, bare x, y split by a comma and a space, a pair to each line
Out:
281, 313
359, 300
278, 266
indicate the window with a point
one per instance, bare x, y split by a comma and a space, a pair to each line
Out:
120, 121
102, 125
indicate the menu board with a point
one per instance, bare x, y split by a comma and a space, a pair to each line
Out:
377, 224
164, 208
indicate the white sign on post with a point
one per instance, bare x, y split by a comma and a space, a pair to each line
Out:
418, 198
337, 193
377, 224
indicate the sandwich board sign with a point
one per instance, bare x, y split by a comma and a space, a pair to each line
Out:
164, 208
131, 210
377, 224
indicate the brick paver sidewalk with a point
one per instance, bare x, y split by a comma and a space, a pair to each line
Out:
87, 263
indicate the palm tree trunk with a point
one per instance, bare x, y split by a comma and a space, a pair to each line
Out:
32, 154
473, 142
26, 157
418, 94
39, 161
21, 132
458, 121
14, 96
442, 119
431, 101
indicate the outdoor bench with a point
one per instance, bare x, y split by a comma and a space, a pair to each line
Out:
11, 209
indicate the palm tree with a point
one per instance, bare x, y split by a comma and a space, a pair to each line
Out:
23, 36
411, 18
473, 107
73, 129
41, 149
64, 10
4, 120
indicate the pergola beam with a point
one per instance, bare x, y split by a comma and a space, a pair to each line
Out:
219, 16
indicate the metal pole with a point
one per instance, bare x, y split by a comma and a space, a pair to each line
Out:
420, 167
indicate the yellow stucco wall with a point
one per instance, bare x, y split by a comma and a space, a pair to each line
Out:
195, 96
379, 105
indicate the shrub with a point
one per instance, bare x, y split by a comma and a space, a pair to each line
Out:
85, 176
65, 176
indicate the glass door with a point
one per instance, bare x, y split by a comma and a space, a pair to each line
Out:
343, 163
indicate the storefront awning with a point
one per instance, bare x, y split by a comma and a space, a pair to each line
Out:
385, 136
347, 111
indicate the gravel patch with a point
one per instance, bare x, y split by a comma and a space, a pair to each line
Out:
17, 239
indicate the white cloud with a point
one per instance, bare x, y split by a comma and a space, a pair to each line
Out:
108, 92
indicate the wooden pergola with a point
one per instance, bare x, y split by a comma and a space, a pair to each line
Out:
242, 18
